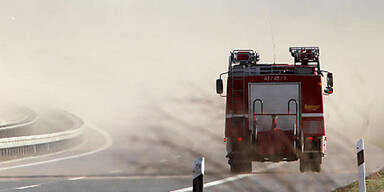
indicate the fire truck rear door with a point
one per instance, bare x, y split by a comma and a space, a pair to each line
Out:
275, 97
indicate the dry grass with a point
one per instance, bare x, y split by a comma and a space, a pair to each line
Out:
375, 183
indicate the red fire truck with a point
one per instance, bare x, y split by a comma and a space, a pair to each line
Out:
274, 112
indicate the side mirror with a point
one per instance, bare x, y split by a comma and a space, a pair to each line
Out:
329, 80
329, 88
219, 86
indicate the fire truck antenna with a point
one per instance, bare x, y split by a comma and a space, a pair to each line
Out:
273, 42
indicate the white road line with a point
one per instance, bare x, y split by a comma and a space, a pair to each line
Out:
27, 187
75, 178
130, 177
107, 144
228, 179
147, 177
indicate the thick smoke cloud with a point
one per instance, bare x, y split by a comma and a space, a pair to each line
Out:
112, 61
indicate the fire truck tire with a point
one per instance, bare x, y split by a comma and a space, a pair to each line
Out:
316, 167
316, 164
310, 164
304, 165
241, 167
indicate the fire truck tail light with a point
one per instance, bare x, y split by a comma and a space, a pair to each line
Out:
310, 138
240, 139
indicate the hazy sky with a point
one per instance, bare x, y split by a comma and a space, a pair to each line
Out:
110, 55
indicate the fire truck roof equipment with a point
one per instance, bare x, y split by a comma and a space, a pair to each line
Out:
305, 55
244, 57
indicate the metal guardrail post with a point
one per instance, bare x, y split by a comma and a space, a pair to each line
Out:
361, 165
198, 172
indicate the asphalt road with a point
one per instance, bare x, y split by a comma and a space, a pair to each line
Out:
100, 164
158, 157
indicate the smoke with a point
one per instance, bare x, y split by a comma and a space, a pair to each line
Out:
141, 68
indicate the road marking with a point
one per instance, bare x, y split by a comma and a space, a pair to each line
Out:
228, 179
142, 177
75, 178
107, 144
27, 187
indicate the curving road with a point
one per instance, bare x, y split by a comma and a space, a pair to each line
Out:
107, 162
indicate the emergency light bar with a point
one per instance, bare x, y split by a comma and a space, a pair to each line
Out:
244, 57
304, 55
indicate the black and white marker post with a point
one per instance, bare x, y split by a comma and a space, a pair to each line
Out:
361, 165
198, 172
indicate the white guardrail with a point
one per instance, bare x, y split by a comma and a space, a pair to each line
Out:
13, 142
15, 146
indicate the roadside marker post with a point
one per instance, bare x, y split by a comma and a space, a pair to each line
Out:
361, 165
198, 172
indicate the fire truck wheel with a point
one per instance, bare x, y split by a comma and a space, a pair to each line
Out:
316, 167
241, 167
304, 165
316, 164
310, 164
